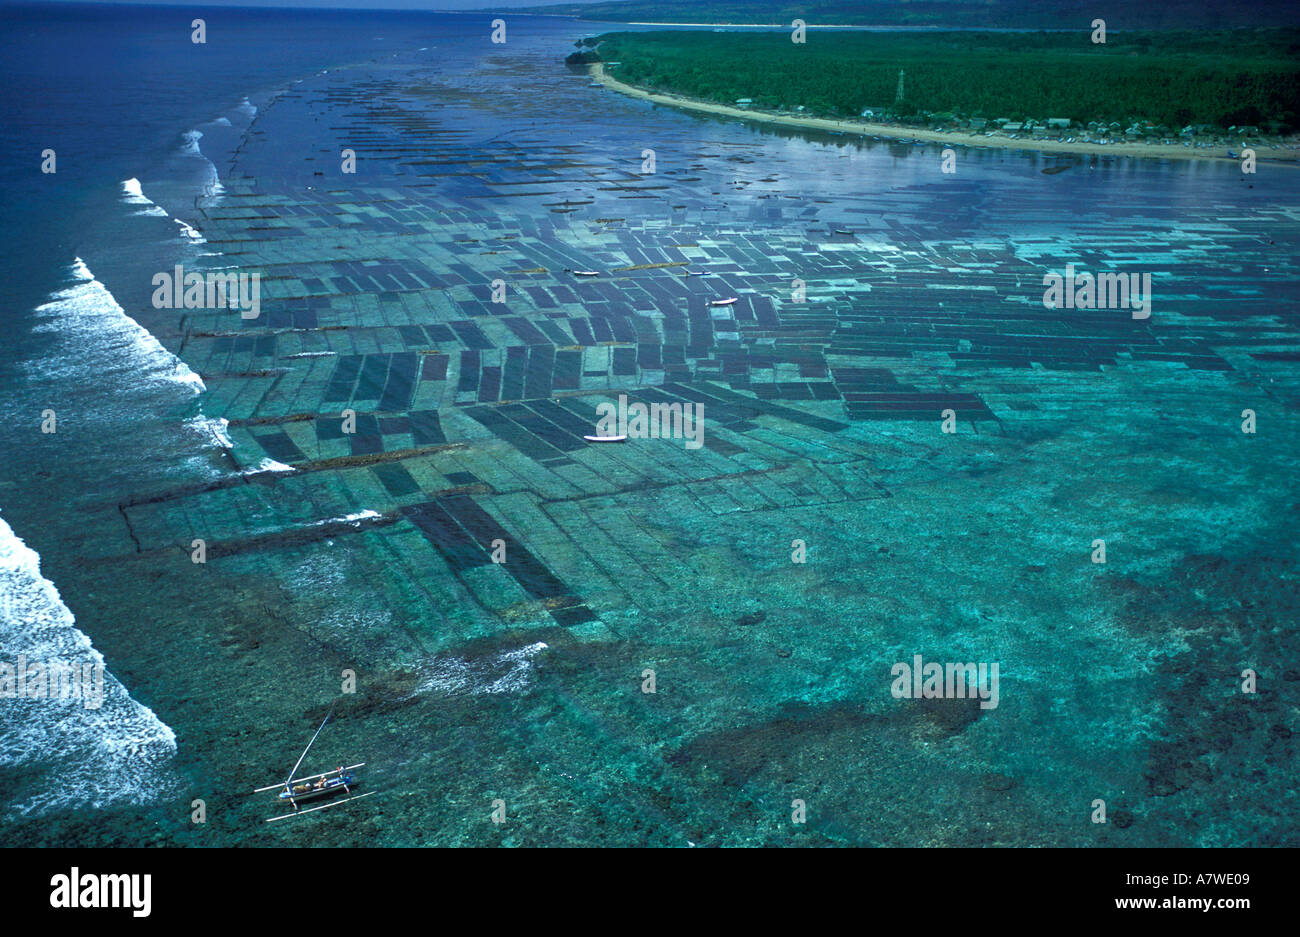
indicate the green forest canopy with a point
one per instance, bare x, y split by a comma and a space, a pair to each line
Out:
946, 14
1222, 78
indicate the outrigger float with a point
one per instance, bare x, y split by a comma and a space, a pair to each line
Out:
296, 791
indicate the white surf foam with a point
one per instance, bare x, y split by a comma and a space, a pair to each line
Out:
119, 752
507, 672
269, 466
211, 185
89, 319
348, 518
216, 431
133, 194
189, 232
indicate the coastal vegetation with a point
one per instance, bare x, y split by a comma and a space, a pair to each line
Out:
943, 14
1163, 80
1168, 79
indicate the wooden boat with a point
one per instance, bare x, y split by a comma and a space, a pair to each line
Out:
724, 302
316, 786
605, 438
327, 785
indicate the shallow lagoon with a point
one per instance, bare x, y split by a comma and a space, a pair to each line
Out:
523, 680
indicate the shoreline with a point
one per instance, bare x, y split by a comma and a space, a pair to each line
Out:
597, 73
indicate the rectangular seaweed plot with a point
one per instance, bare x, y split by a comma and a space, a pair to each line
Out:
374, 375
530, 572
469, 367
457, 547
280, 447
510, 431
395, 479
568, 370
537, 378
368, 438
401, 381
343, 379
426, 428
543, 428
512, 377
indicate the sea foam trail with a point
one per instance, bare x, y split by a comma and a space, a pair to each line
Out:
104, 342
120, 752
505, 672
190, 142
133, 194
86, 315
211, 185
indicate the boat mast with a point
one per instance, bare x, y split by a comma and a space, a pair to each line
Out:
288, 784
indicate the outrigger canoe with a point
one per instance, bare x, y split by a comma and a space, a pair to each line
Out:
322, 785
316, 786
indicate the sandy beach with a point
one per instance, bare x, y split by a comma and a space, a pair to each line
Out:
950, 137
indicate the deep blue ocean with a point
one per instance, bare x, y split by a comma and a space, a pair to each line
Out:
111, 88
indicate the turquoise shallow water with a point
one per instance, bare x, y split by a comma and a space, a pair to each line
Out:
523, 681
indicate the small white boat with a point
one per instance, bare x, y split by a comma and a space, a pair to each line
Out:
724, 302
695, 273
605, 438
586, 273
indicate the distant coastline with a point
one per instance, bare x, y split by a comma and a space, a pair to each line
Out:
950, 137
769, 25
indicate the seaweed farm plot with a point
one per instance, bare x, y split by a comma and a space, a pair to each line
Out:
903, 451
